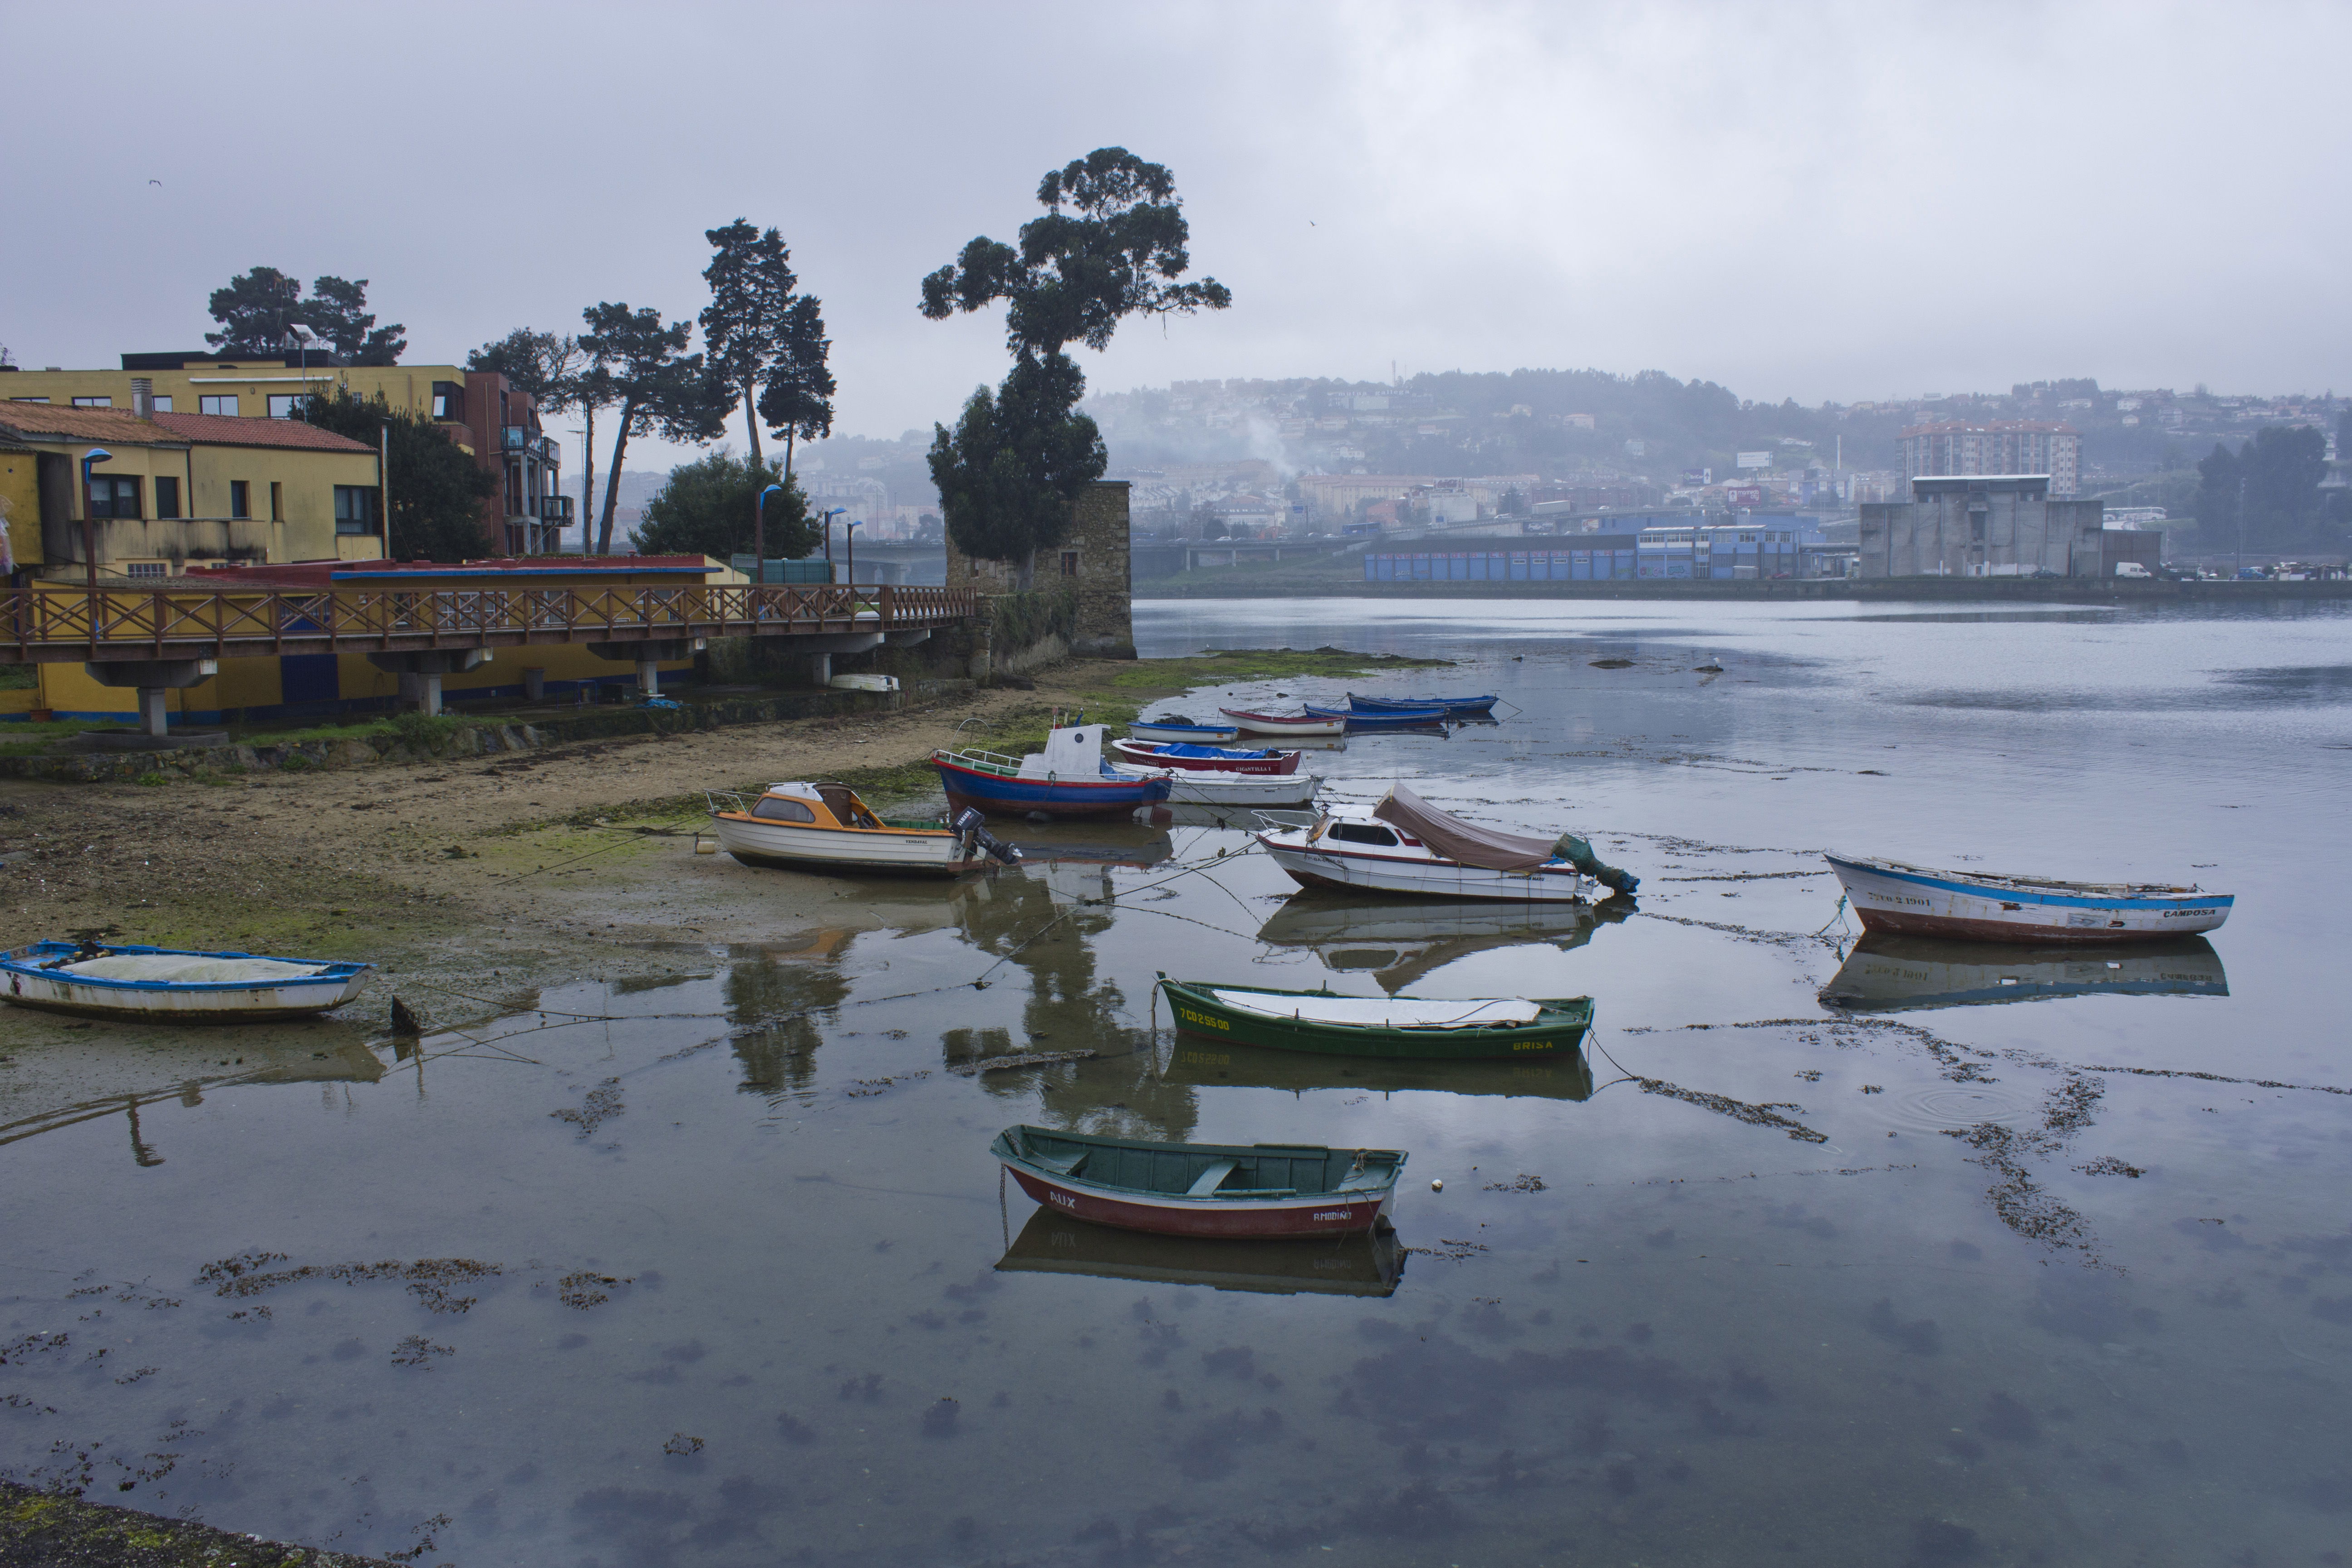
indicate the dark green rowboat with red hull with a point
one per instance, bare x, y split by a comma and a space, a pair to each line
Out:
1394, 1026
1257, 1191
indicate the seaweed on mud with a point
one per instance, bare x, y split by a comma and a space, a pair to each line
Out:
2216, 1078
603, 1103
1738, 1109
415, 1350
2018, 1200
1522, 1183
582, 1288
431, 1279
2109, 1165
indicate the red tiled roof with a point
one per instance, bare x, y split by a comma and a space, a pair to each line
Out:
230, 430
60, 422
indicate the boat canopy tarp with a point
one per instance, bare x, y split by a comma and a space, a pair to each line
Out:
1384, 1012
1186, 749
1458, 840
190, 969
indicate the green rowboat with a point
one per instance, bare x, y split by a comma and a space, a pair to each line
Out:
1392, 1027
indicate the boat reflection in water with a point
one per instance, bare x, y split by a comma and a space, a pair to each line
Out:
1888, 973
1366, 1263
1562, 1075
1398, 942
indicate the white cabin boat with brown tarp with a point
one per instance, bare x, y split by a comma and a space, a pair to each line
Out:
1404, 845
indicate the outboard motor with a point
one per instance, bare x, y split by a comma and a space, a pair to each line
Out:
968, 821
1578, 853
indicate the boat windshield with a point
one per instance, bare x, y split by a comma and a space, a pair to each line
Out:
846, 808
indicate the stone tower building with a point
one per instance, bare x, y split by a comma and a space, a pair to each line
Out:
1092, 563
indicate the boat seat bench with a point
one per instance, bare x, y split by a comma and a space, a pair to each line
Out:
1205, 1185
1060, 1165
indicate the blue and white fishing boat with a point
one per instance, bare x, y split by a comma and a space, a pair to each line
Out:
1068, 778
1182, 730
1359, 718
170, 984
1890, 896
1453, 707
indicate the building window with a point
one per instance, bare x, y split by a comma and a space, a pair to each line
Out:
277, 501
449, 400
93, 403
146, 569
160, 405
354, 508
240, 497
288, 404
224, 403
167, 495
1069, 562
111, 496
28, 400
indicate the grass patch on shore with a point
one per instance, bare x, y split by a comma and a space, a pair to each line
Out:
1222, 666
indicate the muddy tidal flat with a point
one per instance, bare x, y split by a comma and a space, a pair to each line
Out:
676, 1240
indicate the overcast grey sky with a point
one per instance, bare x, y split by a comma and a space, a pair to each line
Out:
1819, 202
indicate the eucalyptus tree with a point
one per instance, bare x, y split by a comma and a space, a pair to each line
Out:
1111, 244
752, 294
659, 387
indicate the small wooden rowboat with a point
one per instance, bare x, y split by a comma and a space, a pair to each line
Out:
1178, 730
1380, 717
1258, 1190
1186, 758
1340, 1025
825, 827
1911, 901
1299, 724
1454, 707
173, 984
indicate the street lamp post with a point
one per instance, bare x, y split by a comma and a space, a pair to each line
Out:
829, 516
89, 530
849, 537
760, 533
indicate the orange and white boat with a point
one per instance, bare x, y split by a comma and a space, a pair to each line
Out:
825, 827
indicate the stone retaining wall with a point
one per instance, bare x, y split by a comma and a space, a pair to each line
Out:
478, 738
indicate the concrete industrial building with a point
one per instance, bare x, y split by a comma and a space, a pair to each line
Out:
1999, 446
1996, 525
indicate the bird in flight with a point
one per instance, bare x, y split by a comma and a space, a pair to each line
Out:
154, 182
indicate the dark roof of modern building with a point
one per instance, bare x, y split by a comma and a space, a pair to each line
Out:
182, 360
232, 430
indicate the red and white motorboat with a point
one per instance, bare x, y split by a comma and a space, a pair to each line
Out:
1205, 758
1260, 1190
1301, 723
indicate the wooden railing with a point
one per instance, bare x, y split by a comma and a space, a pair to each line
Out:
38, 625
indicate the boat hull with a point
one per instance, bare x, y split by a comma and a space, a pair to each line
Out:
1382, 719
1273, 724
1468, 705
148, 1001
1909, 902
1273, 791
1200, 1013
1323, 867
1132, 754
1266, 1220
779, 845
1184, 734
998, 795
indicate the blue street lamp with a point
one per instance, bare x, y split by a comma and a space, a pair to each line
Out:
760, 532
89, 532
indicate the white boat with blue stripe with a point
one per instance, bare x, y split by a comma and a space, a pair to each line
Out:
1890, 896
124, 981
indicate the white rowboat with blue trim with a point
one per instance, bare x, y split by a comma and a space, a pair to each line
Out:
157, 983
1890, 896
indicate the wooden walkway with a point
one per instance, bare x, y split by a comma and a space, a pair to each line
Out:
56, 624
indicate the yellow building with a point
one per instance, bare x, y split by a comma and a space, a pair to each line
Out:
179, 489
496, 424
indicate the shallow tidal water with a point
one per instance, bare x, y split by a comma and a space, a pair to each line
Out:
2008, 1259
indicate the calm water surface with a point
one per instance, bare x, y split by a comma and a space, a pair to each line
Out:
2012, 1259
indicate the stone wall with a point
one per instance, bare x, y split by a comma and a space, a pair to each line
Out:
1091, 564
